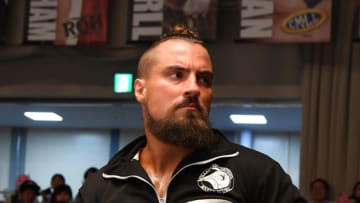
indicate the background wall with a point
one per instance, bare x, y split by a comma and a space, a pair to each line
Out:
5, 140
69, 152
129, 135
283, 147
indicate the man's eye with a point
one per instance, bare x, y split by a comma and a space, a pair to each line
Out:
205, 81
176, 75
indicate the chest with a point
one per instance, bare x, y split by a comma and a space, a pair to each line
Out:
207, 183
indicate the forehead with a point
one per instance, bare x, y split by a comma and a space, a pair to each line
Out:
318, 184
177, 44
182, 50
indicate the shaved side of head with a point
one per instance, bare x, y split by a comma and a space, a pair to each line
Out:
180, 32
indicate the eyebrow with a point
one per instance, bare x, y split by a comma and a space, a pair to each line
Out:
181, 68
177, 67
206, 73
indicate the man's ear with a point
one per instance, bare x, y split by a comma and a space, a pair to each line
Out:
139, 87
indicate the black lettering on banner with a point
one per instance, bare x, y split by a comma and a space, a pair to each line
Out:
42, 20
84, 25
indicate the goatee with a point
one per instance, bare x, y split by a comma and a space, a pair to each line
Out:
190, 130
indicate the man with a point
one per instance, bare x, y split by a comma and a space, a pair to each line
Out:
181, 159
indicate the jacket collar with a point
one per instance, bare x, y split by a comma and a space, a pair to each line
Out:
123, 164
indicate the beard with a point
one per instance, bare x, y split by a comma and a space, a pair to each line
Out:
189, 130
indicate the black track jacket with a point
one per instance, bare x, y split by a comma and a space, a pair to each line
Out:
220, 173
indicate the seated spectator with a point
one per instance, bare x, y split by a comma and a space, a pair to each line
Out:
56, 179
319, 191
26, 193
62, 194
20, 179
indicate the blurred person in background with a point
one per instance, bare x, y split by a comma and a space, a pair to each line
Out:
353, 199
89, 173
356, 190
62, 194
26, 193
319, 191
56, 179
20, 179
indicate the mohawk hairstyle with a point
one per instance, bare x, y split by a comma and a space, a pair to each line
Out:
180, 31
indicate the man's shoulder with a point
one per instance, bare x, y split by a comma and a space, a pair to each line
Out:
120, 158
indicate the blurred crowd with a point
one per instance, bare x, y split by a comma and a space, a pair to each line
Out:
321, 192
28, 191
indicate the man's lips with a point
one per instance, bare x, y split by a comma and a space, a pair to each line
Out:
190, 106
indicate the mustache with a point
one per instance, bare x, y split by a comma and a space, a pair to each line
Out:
191, 101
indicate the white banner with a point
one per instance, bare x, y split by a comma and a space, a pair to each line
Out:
285, 20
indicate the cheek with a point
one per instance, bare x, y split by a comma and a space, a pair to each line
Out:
159, 101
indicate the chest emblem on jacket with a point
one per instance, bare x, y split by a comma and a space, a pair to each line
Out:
216, 179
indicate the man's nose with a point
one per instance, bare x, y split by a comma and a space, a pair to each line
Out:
192, 86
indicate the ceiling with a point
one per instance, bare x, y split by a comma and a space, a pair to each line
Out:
281, 117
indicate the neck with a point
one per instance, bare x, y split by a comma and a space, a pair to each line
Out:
162, 157
160, 160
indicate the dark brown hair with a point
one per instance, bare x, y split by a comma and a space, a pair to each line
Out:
182, 32
179, 31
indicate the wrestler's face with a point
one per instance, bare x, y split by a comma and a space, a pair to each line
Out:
177, 88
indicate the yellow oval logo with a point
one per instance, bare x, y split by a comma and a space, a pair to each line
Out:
303, 21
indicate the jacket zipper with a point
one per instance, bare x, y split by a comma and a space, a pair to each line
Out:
161, 200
